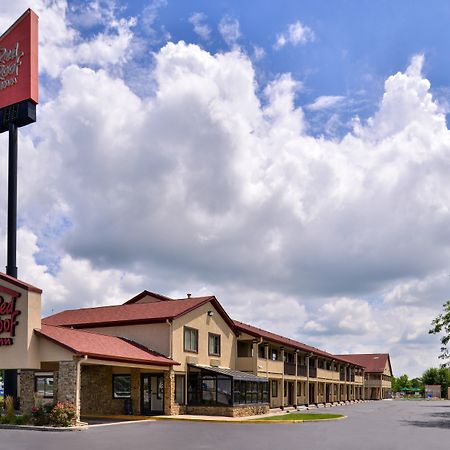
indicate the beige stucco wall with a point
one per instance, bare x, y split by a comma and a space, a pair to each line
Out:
51, 352
205, 324
155, 336
23, 354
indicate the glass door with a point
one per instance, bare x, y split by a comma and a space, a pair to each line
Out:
152, 394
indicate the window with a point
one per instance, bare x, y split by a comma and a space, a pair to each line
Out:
121, 386
273, 354
44, 385
262, 351
179, 389
190, 340
213, 344
299, 388
274, 388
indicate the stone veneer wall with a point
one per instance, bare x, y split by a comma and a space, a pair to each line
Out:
26, 391
68, 384
97, 391
229, 411
170, 407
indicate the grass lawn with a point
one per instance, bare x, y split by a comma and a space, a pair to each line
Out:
302, 416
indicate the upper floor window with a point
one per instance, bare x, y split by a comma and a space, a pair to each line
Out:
273, 354
262, 351
213, 344
190, 340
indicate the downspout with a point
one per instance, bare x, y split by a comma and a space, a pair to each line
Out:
169, 322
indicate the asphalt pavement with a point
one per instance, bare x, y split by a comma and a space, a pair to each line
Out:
384, 425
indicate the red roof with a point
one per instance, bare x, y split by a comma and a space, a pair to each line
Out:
19, 283
373, 362
101, 346
152, 295
258, 332
159, 311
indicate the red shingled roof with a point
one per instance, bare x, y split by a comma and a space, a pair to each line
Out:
373, 362
101, 346
159, 311
258, 332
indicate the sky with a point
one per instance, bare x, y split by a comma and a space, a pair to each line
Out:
290, 157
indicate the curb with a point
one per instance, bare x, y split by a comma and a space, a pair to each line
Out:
257, 421
38, 428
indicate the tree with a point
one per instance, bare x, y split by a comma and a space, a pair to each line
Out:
400, 383
416, 383
438, 376
442, 324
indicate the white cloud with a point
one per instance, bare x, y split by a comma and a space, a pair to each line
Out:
258, 53
208, 185
296, 34
198, 19
325, 102
229, 29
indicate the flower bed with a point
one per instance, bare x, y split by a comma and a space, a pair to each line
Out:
62, 414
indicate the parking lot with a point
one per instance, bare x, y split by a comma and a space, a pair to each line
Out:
374, 425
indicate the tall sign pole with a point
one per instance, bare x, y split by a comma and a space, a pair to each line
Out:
18, 100
11, 267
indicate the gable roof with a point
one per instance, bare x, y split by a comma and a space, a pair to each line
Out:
19, 283
133, 313
373, 362
102, 346
153, 295
258, 332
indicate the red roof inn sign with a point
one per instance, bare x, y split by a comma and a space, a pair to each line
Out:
19, 71
8, 316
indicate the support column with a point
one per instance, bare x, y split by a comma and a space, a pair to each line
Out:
170, 407
363, 385
316, 389
136, 391
26, 393
282, 378
307, 380
255, 355
266, 354
296, 374
69, 384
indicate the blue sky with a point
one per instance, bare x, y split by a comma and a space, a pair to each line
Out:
290, 157
357, 44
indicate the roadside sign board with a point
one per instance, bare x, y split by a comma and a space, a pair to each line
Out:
19, 61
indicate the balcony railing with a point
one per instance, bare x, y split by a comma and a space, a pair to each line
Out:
342, 376
301, 371
312, 372
289, 368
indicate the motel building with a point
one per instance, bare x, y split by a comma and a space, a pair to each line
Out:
378, 374
156, 355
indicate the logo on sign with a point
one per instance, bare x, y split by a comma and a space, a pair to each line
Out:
8, 320
9, 65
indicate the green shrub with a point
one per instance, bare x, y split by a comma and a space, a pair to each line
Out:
22, 420
63, 414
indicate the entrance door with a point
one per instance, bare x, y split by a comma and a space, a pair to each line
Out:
312, 398
291, 394
152, 394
